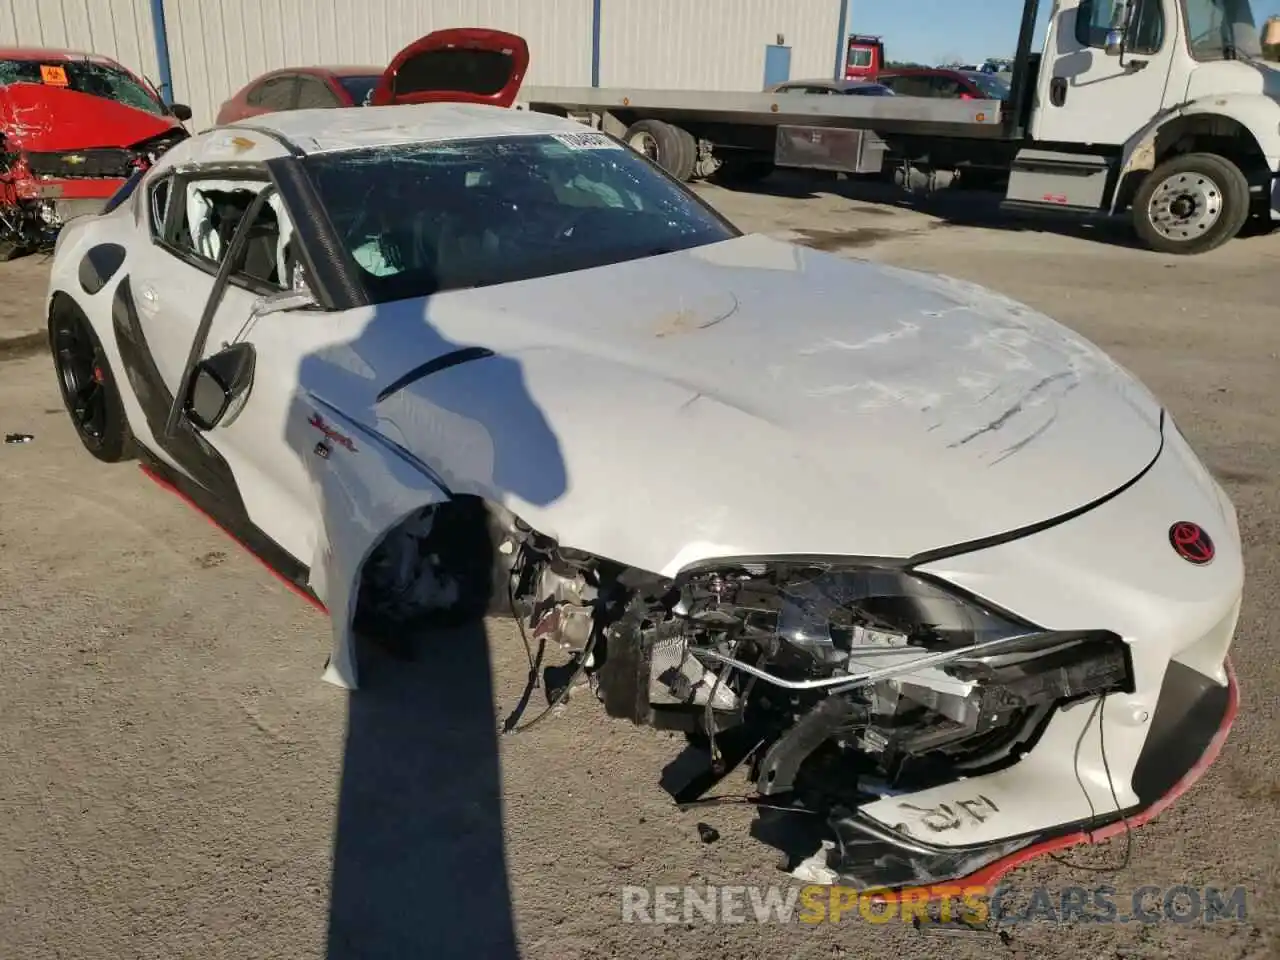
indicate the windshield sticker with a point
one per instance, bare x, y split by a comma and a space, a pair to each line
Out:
587, 141
53, 75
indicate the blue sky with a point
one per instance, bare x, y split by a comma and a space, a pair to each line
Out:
934, 31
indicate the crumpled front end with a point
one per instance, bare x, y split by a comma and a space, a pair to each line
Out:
64, 154
944, 717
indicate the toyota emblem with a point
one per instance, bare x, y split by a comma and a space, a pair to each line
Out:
1191, 542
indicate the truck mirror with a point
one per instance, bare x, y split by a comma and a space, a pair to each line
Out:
1119, 27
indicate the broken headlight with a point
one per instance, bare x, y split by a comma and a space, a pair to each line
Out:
904, 678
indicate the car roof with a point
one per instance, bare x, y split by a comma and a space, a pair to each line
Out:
338, 70
921, 71
844, 83
51, 53
325, 131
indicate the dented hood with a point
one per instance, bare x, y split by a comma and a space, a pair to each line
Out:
45, 119
754, 397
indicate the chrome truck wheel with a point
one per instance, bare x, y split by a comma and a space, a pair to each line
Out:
1191, 204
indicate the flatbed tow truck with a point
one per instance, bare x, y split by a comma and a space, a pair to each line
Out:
1162, 110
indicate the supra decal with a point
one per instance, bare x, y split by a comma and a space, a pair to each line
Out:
1191, 542
946, 816
330, 433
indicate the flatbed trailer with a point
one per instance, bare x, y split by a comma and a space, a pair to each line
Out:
1127, 115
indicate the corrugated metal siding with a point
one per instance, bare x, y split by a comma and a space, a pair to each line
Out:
217, 46
712, 44
120, 29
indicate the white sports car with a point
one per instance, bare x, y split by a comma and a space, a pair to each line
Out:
911, 555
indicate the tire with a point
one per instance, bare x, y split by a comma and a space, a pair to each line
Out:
670, 147
88, 386
1191, 203
742, 171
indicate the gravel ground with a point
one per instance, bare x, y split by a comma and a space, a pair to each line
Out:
175, 780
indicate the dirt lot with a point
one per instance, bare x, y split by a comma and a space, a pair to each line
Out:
175, 780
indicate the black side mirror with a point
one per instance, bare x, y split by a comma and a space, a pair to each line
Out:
181, 111
216, 383
209, 398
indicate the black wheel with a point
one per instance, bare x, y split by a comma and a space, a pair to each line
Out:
670, 147
1191, 204
88, 386
741, 171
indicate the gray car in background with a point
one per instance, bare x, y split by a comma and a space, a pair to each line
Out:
861, 88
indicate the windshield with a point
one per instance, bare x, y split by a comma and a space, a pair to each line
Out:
423, 218
992, 87
83, 76
360, 89
1222, 30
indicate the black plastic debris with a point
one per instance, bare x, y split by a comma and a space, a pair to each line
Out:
18, 437
707, 833
960, 928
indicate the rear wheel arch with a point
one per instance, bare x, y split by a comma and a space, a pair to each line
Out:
114, 440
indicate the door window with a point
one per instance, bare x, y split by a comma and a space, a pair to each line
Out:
267, 262
1146, 29
209, 212
314, 93
860, 57
274, 94
909, 86
158, 206
947, 87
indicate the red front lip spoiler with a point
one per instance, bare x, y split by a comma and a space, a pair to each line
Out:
988, 875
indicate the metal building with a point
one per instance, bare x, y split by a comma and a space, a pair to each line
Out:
201, 51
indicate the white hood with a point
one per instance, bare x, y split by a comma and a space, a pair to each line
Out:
753, 397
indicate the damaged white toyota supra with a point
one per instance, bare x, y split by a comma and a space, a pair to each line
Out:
913, 557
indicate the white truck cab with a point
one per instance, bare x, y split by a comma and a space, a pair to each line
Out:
1176, 113
1162, 110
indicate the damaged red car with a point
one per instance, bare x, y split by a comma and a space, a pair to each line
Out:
73, 127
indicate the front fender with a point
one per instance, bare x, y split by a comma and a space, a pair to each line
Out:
1258, 114
365, 487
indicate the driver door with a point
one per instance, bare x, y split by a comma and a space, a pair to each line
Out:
1084, 94
262, 326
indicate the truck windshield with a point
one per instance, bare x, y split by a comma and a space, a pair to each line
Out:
1222, 30
424, 218
83, 76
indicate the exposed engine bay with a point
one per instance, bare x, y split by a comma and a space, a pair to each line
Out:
831, 683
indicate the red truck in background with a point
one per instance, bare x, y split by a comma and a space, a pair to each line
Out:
864, 58
73, 127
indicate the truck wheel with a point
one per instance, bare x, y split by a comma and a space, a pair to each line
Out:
1191, 204
670, 147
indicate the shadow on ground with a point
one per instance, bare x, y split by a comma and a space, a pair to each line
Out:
419, 867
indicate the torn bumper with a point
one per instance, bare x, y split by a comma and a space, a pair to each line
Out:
1193, 716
